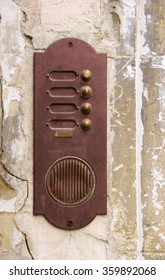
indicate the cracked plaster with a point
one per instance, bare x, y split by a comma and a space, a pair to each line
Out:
134, 226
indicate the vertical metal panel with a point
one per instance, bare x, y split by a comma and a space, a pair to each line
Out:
70, 144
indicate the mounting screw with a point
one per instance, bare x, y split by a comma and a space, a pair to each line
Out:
69, 223
70, 44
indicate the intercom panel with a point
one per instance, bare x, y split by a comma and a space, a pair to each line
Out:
70, 138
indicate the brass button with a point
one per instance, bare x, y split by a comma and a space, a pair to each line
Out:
86, 75
86, 92
86, 108
86, 124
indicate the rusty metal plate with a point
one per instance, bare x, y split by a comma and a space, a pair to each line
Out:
70, 135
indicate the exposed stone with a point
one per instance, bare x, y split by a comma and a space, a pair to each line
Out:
122, 192
13, 192
153, 180
155, 22
118, 26
18, 114
11, 38
132, 33
154, 256
12, 241
30, 14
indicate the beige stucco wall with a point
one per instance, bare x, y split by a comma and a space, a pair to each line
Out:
132, 32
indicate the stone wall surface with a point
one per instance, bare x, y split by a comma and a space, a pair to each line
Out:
132, 33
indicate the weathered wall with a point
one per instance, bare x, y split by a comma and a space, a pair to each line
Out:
132, 32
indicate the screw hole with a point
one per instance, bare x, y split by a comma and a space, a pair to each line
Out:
70, 44
69, 223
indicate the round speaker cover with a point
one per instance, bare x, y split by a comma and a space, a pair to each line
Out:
70, 181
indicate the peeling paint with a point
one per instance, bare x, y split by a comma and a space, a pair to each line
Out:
139, 133
11, 94
12, 40
118, 167
8, 206
132, 34
141, 17
162, 236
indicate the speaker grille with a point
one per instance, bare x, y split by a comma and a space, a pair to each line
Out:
70, 180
